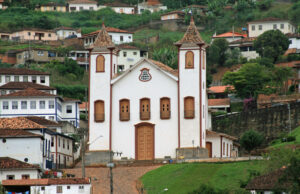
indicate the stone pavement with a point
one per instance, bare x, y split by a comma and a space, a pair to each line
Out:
124, 178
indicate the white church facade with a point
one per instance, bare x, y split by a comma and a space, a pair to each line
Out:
150, 111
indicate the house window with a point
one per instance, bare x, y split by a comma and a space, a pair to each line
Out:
58, 142
274, 26
134, 53
189, 107
81, 187
23, 104
253, 27
7, 79
3, 92
124, 110
25, 78
32, 104
80, 8
91, 8
68, 144
145, 75
120, 68
69, 108
260, 27
68, 187
223, 148
49, 35
100, 61
189, 60
129, 37
42, 104
42, 188
52, 141
165, 108
59, 189
29, 33
16, 78
281, 26
145, 109
40, 53
25, 176
14, 104
33, 79
99, 111
51, 104
124, 54
51, 118
63, 143
227, 150
121, 38
5, 105
10, 177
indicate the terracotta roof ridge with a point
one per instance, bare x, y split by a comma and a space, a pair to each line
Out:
191, 35
27, 92
103, 39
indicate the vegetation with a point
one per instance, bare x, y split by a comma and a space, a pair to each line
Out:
283, 141
250, 140
185, 178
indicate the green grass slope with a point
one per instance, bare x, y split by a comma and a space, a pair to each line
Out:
295, 133
184, 178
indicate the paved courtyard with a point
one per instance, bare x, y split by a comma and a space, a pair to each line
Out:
124, 178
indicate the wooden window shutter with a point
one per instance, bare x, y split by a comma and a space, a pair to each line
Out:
189, 60
189, 107
165, 108
145, 109
100, 63
99, 111
124, 110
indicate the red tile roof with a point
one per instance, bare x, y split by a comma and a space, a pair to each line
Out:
103, 40
230, 34
10, 163
118, 4
213, 133
28, 92
290, 51
42, 121
153, 2
19, 123
66, 99
191, 36
108, 29
21, 71
289, 64
244, 40
17, 133
127, 46
24, 85
62, 181
165, 67
82, 2
174, 12
219, 102
269, 19
290, 35
220, 89
82, 105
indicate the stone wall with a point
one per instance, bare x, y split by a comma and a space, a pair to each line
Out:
271, 122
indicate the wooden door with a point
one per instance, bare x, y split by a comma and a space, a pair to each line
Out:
145, 142
209, 148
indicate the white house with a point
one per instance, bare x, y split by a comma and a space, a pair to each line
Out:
32, 102
118, 36
45, 186
119, 7
65, 32
150, 111
173, 15
151, 5
23, 75
128, 56
245, 46
12, 87
294, 40
80, 5
256, 28
11, 169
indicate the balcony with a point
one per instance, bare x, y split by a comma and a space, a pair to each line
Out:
145, 115
165, 115
189, 114
125, 116
99, 117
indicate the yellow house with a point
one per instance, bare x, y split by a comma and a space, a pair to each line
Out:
51, 6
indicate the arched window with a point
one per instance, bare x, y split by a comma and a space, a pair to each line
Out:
165, 108
100, 63
124, 110
189, 60
99, 111
145, 109
189, 107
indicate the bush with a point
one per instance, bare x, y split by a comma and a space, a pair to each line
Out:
75, 91
290, 138
251, 139
205, 189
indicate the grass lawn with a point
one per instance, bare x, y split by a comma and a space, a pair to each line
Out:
184, 178
277, 143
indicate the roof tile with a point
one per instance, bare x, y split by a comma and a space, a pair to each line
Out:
19, 123
24, 85
62, 181
9, 133
103, 40
192, 35
28, 92
21, 71
10, 163
219, 102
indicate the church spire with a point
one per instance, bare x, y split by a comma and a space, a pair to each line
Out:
191, 36
103, 39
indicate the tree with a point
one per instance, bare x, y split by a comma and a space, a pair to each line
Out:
217, 52
271, 44
279, 76
249, 81
167, 56
250, 140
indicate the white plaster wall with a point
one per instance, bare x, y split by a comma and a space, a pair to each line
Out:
99, 90
125, 10
295, 43
74, 189
38, 79
116, 37
33, 174
71, 117
166, 131
269, 26
62, 34
21, 148
84, 6
216, 147
130, 59
227, 142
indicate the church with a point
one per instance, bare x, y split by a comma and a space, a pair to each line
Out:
151, 111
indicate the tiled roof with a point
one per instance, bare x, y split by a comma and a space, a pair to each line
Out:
213, 133
191, 36
197, 6
274, 98
82, 105
289, 64
269, 19
10, 163
165, 67
243, 40
24, 85
62, 181
117, 4
1, 1
108, 29
219, 89
19, 123
296, 35
230, 34
9, 133
173, 12
21, 71
53, 4
82, 2
28, 92
103, 40
269, 182
219, 102
66, 99
153, 2
292, 51
42, 121
127, 46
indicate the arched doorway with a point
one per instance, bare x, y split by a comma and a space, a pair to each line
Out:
144, 141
